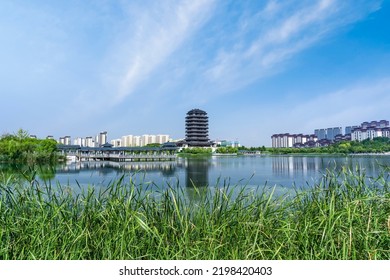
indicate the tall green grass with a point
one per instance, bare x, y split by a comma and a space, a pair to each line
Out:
344, 216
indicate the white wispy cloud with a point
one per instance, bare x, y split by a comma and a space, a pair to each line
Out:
284, 29
242, 50
155, 33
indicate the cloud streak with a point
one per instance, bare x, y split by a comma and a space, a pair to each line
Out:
154, 37
284, 30
226, 53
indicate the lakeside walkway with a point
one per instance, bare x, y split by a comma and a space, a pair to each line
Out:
120, 154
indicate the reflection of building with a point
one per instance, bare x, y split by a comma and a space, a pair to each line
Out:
197, 129
197, 173
167, 169
293, 165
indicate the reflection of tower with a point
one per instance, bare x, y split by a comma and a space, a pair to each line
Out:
197, 128
168, 170
197, 172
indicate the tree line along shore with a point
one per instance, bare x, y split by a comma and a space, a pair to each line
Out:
20, 148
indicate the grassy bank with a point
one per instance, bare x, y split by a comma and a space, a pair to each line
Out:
343, 217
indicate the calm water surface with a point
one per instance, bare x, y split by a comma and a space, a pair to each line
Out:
249, 171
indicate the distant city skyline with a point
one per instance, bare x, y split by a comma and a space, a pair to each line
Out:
327, 136
256, 67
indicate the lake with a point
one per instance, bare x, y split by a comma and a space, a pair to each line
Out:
250, 171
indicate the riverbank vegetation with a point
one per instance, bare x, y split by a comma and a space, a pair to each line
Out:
195, 151
344, 216
226, 150
21, 148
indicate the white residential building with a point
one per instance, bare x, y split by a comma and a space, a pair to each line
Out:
144, 139
79, 141
152, 139
370, 130
89, 142
116, 143
162, 138
136, 141
101, 138
127, 141
67, 140
286, 140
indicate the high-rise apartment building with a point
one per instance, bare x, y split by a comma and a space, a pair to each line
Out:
65, 140
332, 132
117, 143
152, 139
79, 141
197, 129
328, 133
144, 139
348, 129
162, 138
101, 138
320, 133
89, 142
136, 141
127, 141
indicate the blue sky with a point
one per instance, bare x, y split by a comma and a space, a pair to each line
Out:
78, 67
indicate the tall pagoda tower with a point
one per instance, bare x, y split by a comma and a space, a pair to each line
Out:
197, 129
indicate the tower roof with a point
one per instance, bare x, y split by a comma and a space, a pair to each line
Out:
197, 111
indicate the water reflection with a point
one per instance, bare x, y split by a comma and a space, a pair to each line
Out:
294, 166
167, 169
26, 172
249, 172
197, 172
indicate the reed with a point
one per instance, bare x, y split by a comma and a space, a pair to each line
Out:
344, 216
